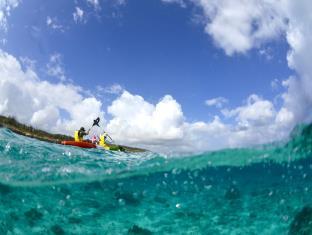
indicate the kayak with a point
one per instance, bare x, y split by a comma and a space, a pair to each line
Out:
85, 144
112, 147
81, 144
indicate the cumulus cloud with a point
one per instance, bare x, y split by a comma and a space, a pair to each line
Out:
55, 67
40, 103
238, 26
217, 102
137, 121
6, 7
78, 15
257, 112
298, 99
163, 126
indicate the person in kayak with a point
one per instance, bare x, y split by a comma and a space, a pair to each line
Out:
107, 143
80, 134
94, 139
104, 140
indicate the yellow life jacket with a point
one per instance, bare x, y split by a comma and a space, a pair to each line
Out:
103, 142
76, 136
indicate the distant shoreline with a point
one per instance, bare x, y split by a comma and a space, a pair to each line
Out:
21, 129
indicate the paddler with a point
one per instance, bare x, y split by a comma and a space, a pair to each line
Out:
103, 140
80, 134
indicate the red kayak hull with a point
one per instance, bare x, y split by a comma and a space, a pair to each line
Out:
81, 144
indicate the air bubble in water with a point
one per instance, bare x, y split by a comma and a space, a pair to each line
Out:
121, 202
7, 147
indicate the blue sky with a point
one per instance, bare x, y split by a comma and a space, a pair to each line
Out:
150, 48
170, 60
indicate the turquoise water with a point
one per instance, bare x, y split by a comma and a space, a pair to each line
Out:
53, 189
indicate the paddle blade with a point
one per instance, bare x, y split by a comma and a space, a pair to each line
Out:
96, 122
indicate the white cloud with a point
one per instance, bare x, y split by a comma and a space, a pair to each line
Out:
180, 2
40, 103
298, 99
115, 89
95, 4
266, 53
217, 102
6, 7
53, 23
238, 26
275, 83
137, 121
78, 15
257, 112
28, 63
55, 67
163, 127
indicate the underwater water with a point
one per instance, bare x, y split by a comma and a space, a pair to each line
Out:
53, 189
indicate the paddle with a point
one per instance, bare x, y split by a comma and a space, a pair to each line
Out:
95, 123
109, 137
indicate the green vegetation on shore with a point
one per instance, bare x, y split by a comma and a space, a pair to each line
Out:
25, 130
22, 129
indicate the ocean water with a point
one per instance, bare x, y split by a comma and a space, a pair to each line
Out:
53, 189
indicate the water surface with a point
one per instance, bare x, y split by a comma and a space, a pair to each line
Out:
53, 189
